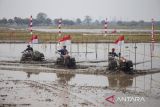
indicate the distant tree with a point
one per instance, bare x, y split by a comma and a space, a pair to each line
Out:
3, 21
68, 22
10, 21
87, 20
78, 21
158, 23
48, 21
96, 22
141, 22
120, 23
56, 21
133, 23
41, 17
35, 22
25, 21
103, 22
18, 20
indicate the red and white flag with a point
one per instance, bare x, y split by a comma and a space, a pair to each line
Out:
65, 40
120, 40
34, 39
114, 31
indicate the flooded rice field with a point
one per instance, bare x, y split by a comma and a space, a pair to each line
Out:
21, 89
29, 85
86, 52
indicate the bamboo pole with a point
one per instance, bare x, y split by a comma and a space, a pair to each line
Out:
135, 54
86, 48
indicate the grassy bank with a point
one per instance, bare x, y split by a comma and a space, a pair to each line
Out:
7, 35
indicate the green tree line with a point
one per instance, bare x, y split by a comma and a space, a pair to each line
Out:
43, 20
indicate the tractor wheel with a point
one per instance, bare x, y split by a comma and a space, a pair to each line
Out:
129, 66
70, 62
112, 65
59, 61
23, 58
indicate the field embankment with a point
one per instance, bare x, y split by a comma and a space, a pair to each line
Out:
22, 36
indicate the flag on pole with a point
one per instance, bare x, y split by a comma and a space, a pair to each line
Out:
30, 25
65, 40
34, 39
120, 40
114, 31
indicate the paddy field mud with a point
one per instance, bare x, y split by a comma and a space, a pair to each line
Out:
42, 84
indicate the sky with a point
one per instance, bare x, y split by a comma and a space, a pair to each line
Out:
125, 10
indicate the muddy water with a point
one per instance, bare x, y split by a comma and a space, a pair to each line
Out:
18, 88
138, 83
42, 89
88, 52
71, 79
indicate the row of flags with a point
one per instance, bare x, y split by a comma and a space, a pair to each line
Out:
66, 39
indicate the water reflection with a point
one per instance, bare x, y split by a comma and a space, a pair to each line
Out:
31, 73
64, 78
120, 81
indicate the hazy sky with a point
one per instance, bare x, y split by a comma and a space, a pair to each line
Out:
72, 9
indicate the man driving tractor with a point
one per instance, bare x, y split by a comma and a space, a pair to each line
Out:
29, 48
119, 63
114, 54
64, 53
